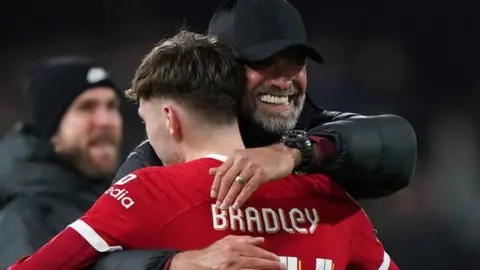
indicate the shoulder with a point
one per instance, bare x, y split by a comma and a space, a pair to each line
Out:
141, 177
147, 180
164, 178
148, 173
322, 185
25, 207
26, 220
191, 168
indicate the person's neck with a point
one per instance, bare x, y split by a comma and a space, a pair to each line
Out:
221, 141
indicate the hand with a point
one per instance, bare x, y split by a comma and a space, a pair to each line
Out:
254, 167
229, 253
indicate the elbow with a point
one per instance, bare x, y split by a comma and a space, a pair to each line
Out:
397, 158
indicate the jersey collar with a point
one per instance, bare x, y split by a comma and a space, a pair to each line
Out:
217, 157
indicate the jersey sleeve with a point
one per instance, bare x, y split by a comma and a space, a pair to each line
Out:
118, 220
67, 250
367, 252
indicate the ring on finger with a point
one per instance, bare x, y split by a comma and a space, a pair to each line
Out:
239, 180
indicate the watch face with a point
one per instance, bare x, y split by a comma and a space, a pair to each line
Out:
297, 135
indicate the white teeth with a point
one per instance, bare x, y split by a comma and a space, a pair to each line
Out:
279, 100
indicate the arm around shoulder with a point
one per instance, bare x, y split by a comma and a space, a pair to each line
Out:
375, 155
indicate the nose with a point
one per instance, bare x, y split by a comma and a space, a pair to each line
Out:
284, 75
282, 82
104, 118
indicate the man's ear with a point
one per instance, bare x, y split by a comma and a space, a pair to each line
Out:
54, 141
173, 122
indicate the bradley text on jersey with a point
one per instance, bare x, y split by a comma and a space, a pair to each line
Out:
265, 220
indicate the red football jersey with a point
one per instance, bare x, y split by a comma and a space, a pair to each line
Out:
306, 219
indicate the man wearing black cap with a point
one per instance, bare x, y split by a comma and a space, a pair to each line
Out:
370, 157
55, 166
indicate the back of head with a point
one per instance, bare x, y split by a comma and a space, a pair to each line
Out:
195, 71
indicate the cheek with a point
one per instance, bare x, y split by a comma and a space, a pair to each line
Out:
75, 131
300, 80
118, 121
254, 79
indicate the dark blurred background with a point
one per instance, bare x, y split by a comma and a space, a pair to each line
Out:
415, 59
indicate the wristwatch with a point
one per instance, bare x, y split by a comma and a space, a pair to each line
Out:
299, 139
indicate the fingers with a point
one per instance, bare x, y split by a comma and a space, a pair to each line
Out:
256, 241
248, 246
220, 172
248, 165
245, 239
256, 252
243, 252
215, 185
226, 180
254, 257
258, 263
235, 189
247, 190
213, 171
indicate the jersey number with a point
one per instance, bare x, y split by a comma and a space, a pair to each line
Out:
127, 178
293, 263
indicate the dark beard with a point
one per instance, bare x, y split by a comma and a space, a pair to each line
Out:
81, 160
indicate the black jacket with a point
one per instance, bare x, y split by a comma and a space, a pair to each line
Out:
375, 158
40, 194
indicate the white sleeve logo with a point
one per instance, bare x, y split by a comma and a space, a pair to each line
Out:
127, 178
120, 194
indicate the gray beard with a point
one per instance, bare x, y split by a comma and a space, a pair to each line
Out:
277, 124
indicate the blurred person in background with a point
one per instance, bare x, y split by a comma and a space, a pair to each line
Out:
369, 156
54, 166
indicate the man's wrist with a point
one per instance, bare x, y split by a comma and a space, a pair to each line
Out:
178, 261
293, 153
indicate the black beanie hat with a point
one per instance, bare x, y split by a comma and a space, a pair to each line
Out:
55, 83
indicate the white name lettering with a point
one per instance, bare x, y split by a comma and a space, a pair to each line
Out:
121, 196
265, 220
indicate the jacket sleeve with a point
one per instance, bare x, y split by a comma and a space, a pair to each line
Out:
375, 155
135, 259
22, 231
142, 156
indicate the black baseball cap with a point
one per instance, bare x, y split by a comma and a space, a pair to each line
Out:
258, 29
